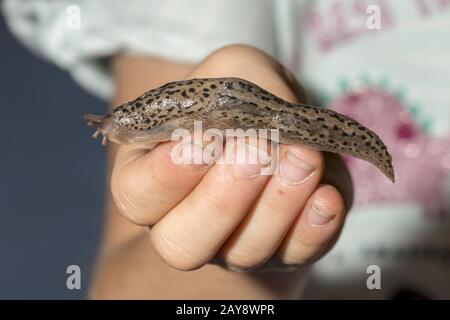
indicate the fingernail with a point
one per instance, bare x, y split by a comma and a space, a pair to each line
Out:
193, 154
319, 218
247, 162
293, 170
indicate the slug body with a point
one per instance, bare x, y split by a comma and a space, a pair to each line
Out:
231, 103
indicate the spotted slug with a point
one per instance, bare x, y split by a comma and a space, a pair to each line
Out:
231, 103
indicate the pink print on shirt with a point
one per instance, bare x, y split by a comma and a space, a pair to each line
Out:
343, 21
428, 7
421, 162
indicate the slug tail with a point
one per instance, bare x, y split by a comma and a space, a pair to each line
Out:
387, 168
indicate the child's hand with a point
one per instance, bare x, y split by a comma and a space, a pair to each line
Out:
219, 213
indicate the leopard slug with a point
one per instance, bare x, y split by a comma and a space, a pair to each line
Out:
225, 103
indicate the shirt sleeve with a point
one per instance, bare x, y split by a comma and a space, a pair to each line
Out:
80, 36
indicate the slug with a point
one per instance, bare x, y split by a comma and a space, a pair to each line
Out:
231, 103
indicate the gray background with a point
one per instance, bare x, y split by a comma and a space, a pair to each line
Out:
51, 177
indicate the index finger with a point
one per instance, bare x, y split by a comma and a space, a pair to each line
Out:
146, 185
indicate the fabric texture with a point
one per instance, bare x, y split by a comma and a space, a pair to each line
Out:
174, 29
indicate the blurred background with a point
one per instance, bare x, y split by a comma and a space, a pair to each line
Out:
52, 173
50, 215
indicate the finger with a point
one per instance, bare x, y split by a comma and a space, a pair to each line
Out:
283, 198
318, 224
147, 185
190, 235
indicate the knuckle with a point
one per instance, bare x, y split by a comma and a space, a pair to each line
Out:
302, 254
124, 196
171, 250
236, 56
128, 207
217, 204
233, 50
307, 245
134, 194
244, 260
276, 209
159, 185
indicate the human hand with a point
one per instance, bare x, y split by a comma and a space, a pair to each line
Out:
224, 214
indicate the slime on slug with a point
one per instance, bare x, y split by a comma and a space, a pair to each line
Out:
232, 103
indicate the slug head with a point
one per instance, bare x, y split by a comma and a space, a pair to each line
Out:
107, 126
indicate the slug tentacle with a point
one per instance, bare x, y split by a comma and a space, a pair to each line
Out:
93, 120
102, 124
96, 133
233, 103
